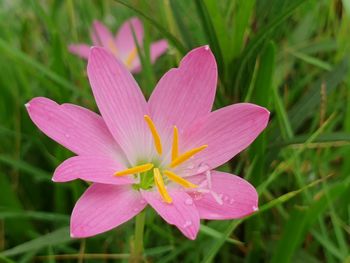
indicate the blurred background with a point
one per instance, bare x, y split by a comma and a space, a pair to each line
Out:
291, 56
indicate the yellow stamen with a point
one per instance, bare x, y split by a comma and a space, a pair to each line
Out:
113, 47
177, 179
161, 187
175, 148
136, 169
187, 155
156, 137
131, 57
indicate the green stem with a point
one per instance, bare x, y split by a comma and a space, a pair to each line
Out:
138, 239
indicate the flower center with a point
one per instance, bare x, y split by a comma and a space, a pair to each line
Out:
151, 174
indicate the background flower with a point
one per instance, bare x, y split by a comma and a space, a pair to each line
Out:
122, 45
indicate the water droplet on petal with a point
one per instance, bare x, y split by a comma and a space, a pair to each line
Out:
255, 208
231, 201
189, 201
136, 209
217, 197
197, 196
67, 135
188, 223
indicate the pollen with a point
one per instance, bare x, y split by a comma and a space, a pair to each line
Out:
136, 169
158, 179
187, 155
179, 180
131, 57
175, 148
155, 134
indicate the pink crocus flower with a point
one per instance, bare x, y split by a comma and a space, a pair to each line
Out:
162, 152
122, 45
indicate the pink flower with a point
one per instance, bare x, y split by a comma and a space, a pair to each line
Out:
161, 152
122, 45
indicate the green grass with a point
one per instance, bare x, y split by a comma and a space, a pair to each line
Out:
289, 56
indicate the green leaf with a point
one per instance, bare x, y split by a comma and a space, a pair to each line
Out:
57, 237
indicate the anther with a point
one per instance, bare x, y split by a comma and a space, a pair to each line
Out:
136, 169
158, 179
177, 179
175, 148
187, 155
155, 134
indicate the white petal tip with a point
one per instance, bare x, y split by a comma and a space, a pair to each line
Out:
27, 105
206, 47
53, 180
72, 235
255, 208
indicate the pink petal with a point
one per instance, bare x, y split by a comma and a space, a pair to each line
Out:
124, 38
181, 212
103, 207
158, 48
230, 197
185, 93
120, 102
101, 36
81, 50
226, 131
97, 169
76, 128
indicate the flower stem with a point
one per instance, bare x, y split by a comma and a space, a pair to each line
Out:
136, 255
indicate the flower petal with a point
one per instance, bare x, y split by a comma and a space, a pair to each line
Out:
185, 93
125, 39
181, 212
120, 102
78, 129
226, 131
81, 50
230, 197
158, 48
103, 207
101, 35
97, 169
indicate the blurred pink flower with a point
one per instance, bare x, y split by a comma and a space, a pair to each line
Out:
122, 46
161, 152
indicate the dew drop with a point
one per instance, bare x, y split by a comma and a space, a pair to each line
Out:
197, 196
136, 209
188, 223
189, 201
217, 197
